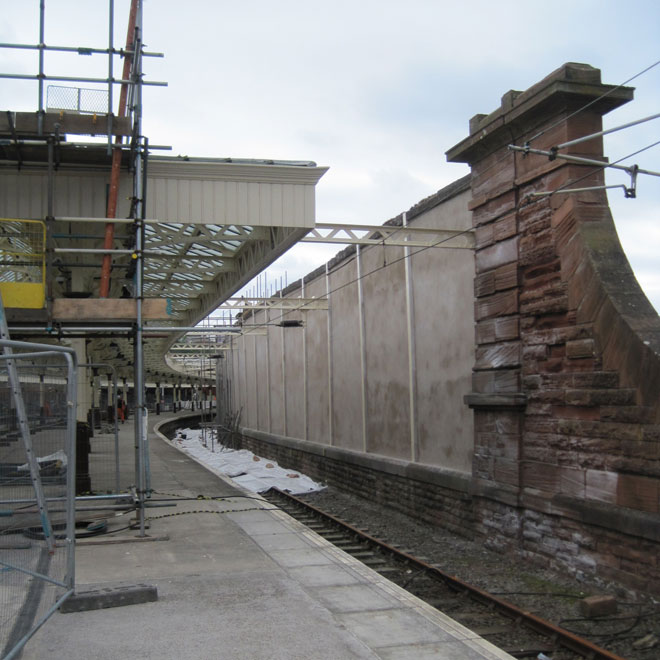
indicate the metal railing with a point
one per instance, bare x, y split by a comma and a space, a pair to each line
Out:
84, 100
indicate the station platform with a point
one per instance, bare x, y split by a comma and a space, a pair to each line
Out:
238, 579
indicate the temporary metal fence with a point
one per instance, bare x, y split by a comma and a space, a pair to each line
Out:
37, 478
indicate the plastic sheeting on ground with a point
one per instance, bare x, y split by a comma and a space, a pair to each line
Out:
245, 468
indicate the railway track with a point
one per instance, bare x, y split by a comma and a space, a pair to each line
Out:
519, 633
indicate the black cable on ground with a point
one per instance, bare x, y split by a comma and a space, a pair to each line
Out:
637, 619
183, 513
173, 497
536, 593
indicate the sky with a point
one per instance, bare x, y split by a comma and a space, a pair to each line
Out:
377, 91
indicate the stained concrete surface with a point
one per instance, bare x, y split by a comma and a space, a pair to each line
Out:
238, 580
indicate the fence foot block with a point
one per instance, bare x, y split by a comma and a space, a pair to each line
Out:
98, 599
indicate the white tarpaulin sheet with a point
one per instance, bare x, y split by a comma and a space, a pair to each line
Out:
247, 470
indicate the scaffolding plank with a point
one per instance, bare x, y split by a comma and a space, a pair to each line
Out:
69, 122
109, 309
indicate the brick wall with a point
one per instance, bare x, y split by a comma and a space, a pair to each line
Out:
437, 496
566, 383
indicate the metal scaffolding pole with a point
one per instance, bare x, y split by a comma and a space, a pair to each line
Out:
42, 22
142, 448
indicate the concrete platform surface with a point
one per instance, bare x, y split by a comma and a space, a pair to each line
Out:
238, 580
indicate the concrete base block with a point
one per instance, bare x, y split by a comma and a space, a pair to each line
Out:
98, 599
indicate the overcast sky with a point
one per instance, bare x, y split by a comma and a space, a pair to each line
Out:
377, 91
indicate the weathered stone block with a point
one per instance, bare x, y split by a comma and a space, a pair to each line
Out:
496, 381
506, 471
541, 476
637, 492
594, 606
601, 485
497, 255
486, 209
579, 348
628, 414
506, 276
499, 304
576, 412
554, 302
572, 481
484, 284
601, 397
498, 356
596, 379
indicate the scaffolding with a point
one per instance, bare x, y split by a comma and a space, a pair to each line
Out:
169, 269
40, 137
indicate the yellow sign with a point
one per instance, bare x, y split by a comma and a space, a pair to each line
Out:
22, 263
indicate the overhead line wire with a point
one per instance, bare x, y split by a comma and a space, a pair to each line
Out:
496, 163
527, 202
575, 113
590, 103
375, 270
466, 231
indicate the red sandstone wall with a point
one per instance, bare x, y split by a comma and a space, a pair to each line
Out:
566, 384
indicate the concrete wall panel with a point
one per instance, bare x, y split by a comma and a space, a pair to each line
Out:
263, 368
295, 378
347, 412
277, 391
388, 401
441, 285
318, 399
443, 317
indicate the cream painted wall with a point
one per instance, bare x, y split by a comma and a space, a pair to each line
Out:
443, 322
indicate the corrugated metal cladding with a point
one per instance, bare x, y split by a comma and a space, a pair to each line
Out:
208, 193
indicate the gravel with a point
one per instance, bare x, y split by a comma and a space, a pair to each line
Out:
536, 589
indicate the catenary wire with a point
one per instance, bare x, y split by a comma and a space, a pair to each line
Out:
574, 114
444, 240
529, 202
497, 162
592, 102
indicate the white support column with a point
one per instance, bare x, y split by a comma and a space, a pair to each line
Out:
363, 350
330, 365
256, 375
268, 405
412, 365
305, 384
246, 400
284, 397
